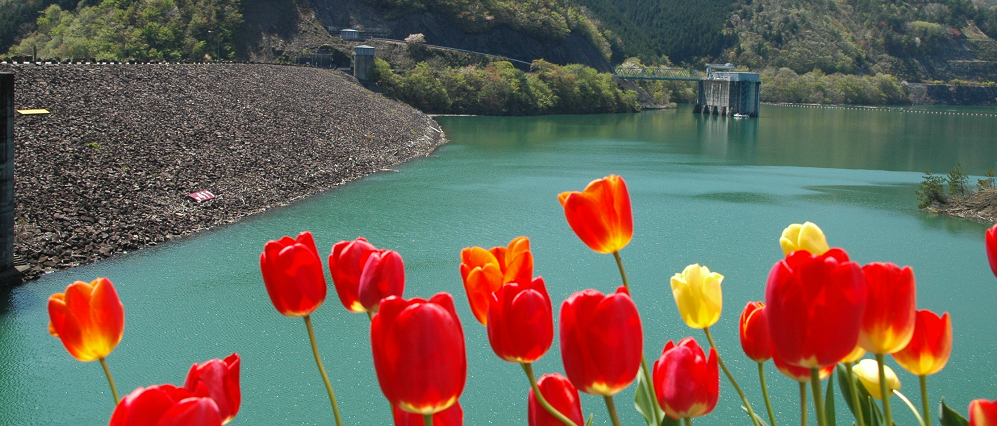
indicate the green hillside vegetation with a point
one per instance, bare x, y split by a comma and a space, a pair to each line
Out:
542, 18
690, 32
139, 29
500, 89
785, 85
853, 36
17, 17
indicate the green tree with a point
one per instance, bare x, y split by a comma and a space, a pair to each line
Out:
931, 190
957, 180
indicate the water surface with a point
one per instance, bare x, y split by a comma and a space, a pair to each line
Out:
706, 190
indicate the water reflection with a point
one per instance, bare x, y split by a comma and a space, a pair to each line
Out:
723, 136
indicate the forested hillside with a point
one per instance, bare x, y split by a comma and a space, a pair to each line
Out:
121, 29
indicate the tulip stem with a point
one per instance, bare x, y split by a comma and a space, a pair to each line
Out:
650, 387
612, 410
687, 421
427, 419
321, 369
924, 400
909, 405
883, 392
765, 393
528, 368
110, 380
855, 395
818, 401
803, 404
730, 377
643, 360
370, 315
623, 273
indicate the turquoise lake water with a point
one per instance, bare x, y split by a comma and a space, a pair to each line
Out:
708, 190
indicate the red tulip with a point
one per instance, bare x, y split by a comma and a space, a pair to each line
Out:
930, 347
453, 416
88, 318
991, 240
755, 332
600, 215
165, 405
484, 271
383, 275
219, 380
521, 322
601, 341
686, 382
346, 263
814, 307
293, 275
419, 354
982, 413
560, 394
888, 322
800, 374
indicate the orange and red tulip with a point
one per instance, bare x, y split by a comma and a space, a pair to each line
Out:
814, 306
346, 263
560, 394
601, 341
293, 275
982, 413
929, 348
383, 275
453, 416
485, 271
521, 321
88, 318
600, 215
754, 332
165, 405
686, 382
419, 354
888, 321
219, 380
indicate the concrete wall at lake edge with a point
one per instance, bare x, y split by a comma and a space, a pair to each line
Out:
109, 169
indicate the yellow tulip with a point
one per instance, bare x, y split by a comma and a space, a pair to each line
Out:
697, 294
867, 372
807, 237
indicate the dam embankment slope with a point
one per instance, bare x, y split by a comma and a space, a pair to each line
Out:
110, 168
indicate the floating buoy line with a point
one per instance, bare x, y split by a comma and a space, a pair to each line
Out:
885, 109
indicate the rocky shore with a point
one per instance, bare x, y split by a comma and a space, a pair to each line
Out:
110, 168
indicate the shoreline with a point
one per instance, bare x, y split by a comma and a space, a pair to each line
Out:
110, 168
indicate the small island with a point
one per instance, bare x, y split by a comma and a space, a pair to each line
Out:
951, 195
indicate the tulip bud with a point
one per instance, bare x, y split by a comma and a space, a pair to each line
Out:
867, 371
888, 320
991, 244
754, 333
521, 322
453, 416
929, 348
88, 318
165, 405
698, 296
485, 271
600, 215
383, 275
807, 237
601, 341
686, 382
292, 273
219, 380
560, 394
346, 263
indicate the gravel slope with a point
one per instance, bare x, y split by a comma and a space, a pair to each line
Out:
110, 168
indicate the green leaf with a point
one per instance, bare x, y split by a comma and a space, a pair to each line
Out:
645, 402
948, 416
589, 422
829, 403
